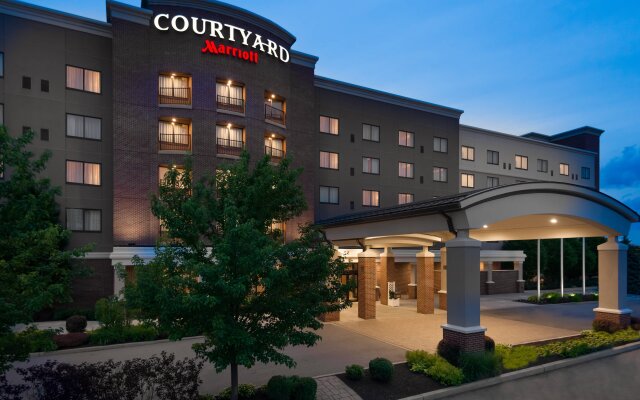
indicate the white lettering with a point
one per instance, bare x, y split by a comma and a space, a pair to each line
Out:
232, 29
245, 37
156, 22
216, 30
284, 52
185, 23
258, 42
195, 26
272, 48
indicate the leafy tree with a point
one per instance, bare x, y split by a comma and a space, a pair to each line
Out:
223, 272
35, 270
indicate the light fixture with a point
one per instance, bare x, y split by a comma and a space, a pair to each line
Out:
553, 220
229, 82
273, 135
173, 120
485, 226
228, 126
273, 96
173, 76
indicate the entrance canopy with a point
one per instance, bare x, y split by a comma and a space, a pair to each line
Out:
533, 210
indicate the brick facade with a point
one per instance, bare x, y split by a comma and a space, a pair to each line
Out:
505, 281
424, 292
330, 316
442, 301
467, 342
385, 266
85, 291
367, 287
624, 320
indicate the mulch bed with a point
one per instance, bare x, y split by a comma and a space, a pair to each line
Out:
403, 384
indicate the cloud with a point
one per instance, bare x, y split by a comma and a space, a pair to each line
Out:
624, 170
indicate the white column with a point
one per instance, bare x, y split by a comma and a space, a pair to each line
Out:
442, 293
584, 269
612, 277
489, 267
538, 266
561, 267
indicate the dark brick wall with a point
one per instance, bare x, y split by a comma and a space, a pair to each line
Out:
87, 290
505, 282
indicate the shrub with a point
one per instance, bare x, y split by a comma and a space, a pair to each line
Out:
482, 365
280, 387
76, 323
552, 298
136, 333
635, 323
304, 389
73, 339
449, 351
39, 340
489, 344
110, 313
245, 392
420, 360
533, 299
444, 373
605, 326
573, 297
354, 372
381, 369
516, 357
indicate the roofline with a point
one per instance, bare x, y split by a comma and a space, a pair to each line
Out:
54, 17
304, 59
231, 10
378, 95
127, 12
589, 130
527, 139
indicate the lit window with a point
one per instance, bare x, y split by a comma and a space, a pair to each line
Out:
370, 132
440, 145
229, 140
162, 172
329, 125
83, 173
564, 169
174, 89
586, 173
274, 147
493, 157
522, 162
173, 135
230, 96
328, 160
404, 198
329, 195
84, 127
468, 153
543, 165
405, 139
405, 170
492, 181
83, 79
439, 174
370, 165
370, 198
467, 180
82, 220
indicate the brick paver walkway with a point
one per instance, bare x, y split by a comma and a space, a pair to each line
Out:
332, 388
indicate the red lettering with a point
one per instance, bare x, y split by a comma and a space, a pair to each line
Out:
235, 52
209, 47
229, 50
245, 55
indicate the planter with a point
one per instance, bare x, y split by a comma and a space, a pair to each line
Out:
394, 302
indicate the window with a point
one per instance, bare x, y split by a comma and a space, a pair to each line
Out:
83, 79
328, 160
404, 198
467, 180
230, 96
44, 85
329, 125
229, 140
81, 126
586, 173
522, 162
406, 139
174, 135
543, 165
405, 170
493, 157
439, 174
370, 198
83, 173
82, 220
274, 108
468, 153
329, 195
1, 64
174, 89
564, 169
440, 145
44, 134
492, 181
274, 147
162, 171
370, 165
370, 132
26, 82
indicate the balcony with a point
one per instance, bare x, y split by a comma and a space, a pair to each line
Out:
230, 104
174, 96
229, 147
275, 154
273, 114
173, 141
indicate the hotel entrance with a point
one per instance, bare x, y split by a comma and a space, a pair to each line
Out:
350, 275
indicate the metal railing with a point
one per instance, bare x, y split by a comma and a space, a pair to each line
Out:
274, 114
174, 141
275, 153
229, 147
230, 103
171, 95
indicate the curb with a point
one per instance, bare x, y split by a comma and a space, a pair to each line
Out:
106, 347
523, 373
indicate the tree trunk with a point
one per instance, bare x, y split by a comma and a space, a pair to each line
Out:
234, 381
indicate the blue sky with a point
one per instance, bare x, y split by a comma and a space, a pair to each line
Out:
513, 66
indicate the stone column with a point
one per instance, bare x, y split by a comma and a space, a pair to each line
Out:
412, 287
463, 310
488, 266
612, 283
387, 263
335, 315
367, 284
442, 293
519, 266
424, 289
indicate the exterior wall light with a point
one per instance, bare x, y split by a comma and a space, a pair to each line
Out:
228, 126
485, 226
553, 220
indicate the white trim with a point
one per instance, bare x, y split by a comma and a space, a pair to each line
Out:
464, 329
304, 59
97, 255
125, 254
613, 310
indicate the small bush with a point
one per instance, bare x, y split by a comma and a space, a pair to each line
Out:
516, 357
354, 372
304, 389
245, 392
635, 323
73, 339
76, 323
445, 374
420, 361
39, 340
449, 352
606, 326
482, 365
136, 333
110, 313
280, 387
381, 369
489, 344
552, 298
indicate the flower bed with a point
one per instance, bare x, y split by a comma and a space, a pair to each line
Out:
555, 298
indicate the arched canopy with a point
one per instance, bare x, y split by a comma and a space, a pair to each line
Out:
533, 210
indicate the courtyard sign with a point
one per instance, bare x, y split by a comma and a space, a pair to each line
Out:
232, 33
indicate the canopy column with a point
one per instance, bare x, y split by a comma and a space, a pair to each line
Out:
612, 283
519, 266
387, 263
424, 289
442, 293
367, 284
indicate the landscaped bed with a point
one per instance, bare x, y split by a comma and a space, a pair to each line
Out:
556, 298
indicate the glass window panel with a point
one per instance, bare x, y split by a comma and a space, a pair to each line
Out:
75, 77
75, 125
91, 81
334, 126
92, 174
74, 219
92, 220
92, 128
74, 172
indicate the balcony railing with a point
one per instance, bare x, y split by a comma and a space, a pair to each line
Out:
174, 141
230, 103
170, 95
274, 153
229, 147
274, 114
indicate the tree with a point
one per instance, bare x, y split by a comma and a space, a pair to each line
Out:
35, 269
222, 271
